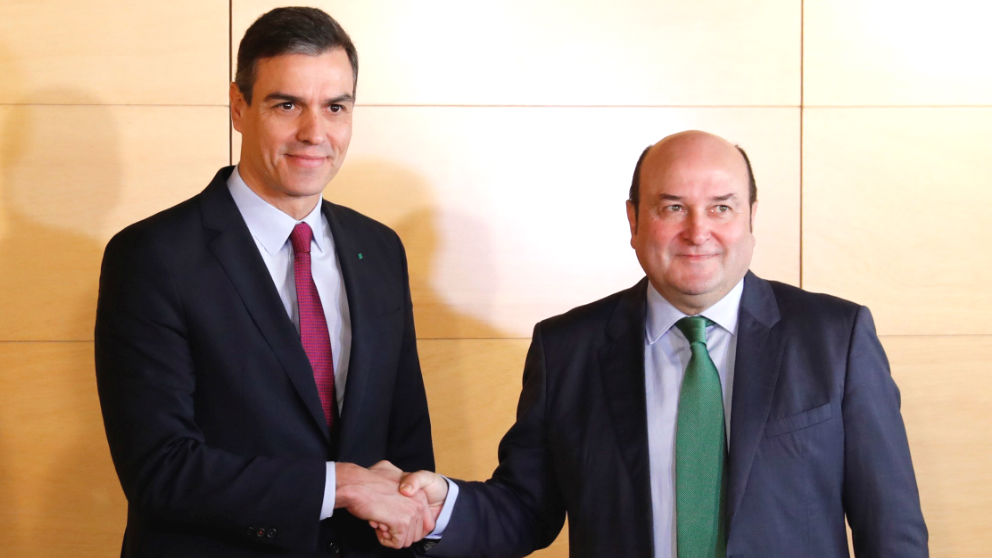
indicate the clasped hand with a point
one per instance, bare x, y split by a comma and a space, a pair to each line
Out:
401, 507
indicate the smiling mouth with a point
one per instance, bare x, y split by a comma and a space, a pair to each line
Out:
307, 160
697, 257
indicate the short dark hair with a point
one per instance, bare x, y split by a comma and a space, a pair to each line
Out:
635, 184
292, 30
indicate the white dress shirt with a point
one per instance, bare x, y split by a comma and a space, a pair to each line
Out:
666, 355
270, 228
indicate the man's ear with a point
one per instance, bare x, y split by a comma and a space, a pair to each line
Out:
239, 105
632, 220
754, 212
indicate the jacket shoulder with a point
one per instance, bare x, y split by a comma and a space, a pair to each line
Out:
585, 323
165, 229
813, 311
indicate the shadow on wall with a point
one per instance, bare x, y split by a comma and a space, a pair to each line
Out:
60, 173
401, 199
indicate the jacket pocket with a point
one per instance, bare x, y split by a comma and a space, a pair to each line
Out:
798, 421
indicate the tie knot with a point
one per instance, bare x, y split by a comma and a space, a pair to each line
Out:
301, 237
694, 328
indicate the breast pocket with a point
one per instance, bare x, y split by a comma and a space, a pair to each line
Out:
799, 421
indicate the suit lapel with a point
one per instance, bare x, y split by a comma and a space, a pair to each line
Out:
621, 362
363, 304
756, 370
233, 246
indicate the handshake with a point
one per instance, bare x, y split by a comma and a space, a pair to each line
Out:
401, 507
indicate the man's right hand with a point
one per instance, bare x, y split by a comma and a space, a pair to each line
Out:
433, 488
373, 494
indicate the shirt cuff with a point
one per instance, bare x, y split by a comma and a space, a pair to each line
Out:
330, 482
442, 519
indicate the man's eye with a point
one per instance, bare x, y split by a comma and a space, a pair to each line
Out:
673, 208
286, 106
722, 209
336, 108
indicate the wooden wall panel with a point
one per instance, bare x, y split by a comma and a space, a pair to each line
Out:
890, 52
114, 52
58, 487
511, 215
556, 52
895, 215
499, 141
70, 177
949, 436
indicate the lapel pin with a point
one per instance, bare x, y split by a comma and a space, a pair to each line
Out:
361, 256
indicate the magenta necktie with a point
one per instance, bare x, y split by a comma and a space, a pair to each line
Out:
313, 324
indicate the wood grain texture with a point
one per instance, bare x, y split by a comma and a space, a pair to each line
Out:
113, 52
944, 385
60, 493
895, 215
73, 175
568, 52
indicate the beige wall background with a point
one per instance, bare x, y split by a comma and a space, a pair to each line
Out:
498, 139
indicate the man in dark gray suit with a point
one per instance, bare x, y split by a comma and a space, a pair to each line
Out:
702, 412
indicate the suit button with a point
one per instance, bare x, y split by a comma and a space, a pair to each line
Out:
260, 533
333, 547
271, 533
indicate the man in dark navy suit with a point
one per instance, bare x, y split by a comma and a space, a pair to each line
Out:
255, 346
702, 412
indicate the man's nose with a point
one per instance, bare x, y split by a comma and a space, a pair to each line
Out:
311, 128
697, 228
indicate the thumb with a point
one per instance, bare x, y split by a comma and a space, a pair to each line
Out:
411, 483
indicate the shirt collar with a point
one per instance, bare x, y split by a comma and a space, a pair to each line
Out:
269, 225
661, 315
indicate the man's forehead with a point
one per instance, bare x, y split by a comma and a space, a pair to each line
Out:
330, 70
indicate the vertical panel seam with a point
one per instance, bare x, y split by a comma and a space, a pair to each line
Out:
802, 110
230, 78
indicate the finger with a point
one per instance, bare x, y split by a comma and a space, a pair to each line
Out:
388, 542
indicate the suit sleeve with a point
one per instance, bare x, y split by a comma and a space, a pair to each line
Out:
880, 494
520, 509
147, 380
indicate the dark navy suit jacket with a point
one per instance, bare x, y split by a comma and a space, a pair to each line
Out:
816, 435
213, 419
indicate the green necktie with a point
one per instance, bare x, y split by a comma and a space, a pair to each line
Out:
700, 451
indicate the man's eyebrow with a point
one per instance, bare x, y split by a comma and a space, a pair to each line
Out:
346, 98
720, 198
286, 97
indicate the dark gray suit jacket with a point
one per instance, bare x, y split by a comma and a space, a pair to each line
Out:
816, 434
213, 419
